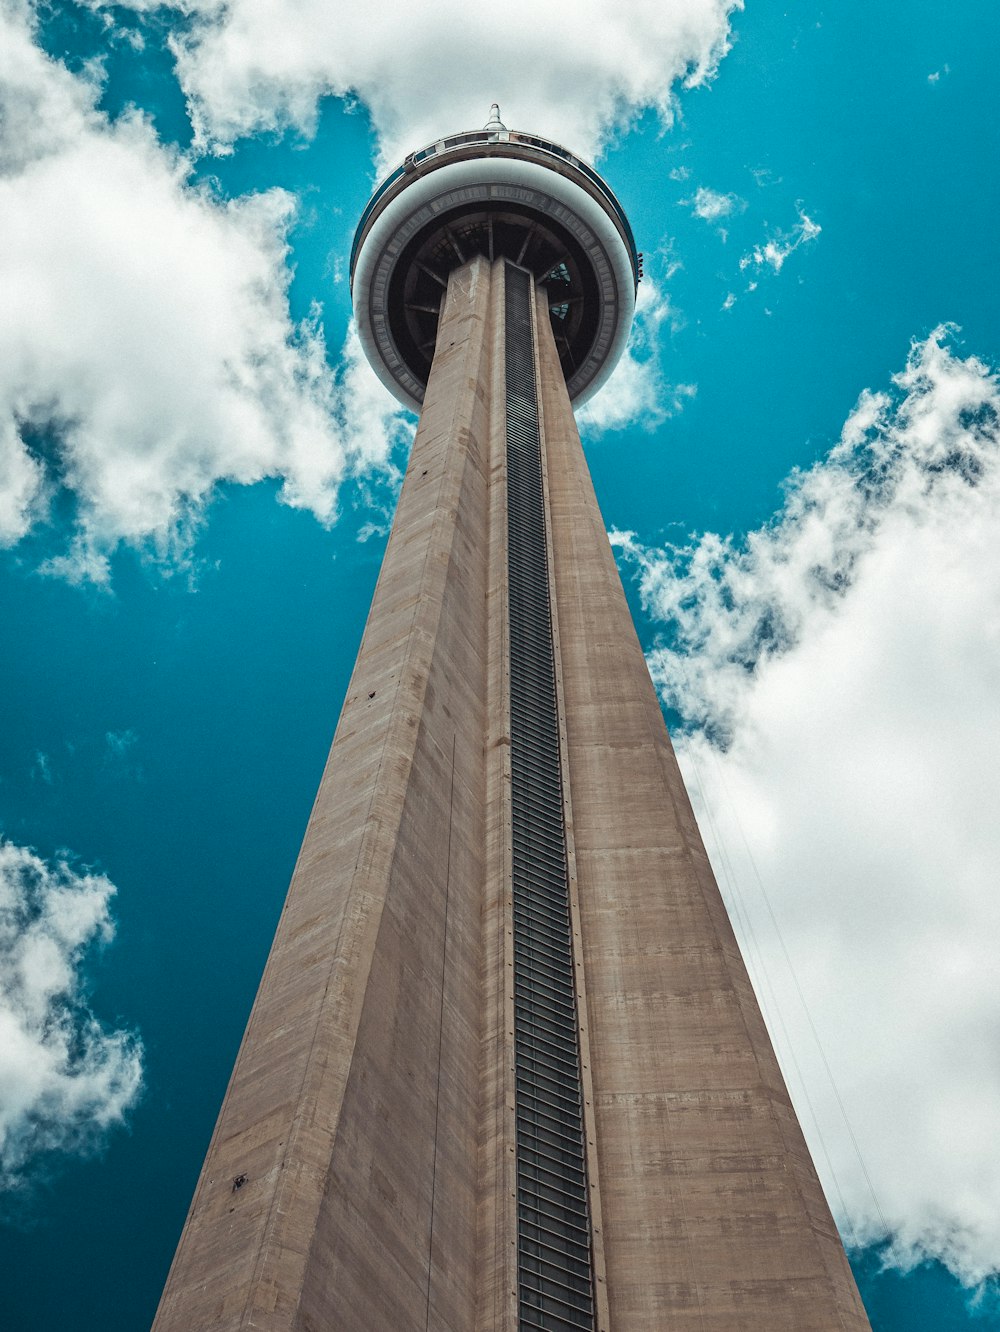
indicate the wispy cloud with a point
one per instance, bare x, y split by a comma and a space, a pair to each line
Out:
838, 669
120, 759
712, 206
65, 1079
780, 244
637, 394
120, 743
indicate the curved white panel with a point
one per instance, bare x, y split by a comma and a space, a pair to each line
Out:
478, 182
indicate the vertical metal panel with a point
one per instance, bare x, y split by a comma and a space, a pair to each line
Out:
555, 1271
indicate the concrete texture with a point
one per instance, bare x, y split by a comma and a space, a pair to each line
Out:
353, 1107
361, 1177
713, 1217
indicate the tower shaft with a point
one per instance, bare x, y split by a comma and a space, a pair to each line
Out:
505, 1068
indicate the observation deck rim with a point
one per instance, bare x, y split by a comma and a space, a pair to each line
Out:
515, 144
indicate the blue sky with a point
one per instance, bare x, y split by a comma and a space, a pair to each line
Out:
798, 461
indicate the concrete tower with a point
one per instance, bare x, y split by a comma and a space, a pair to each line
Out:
505, 1069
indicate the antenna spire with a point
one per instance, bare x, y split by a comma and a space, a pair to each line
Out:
494, 122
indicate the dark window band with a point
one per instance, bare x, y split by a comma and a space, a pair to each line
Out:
555, 1271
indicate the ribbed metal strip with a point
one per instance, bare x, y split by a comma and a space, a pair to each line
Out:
554, 1246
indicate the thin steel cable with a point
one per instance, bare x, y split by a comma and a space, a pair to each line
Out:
886, 1232
778, 1017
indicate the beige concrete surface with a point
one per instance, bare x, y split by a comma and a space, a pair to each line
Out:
353, 1106
713, 1217
370, 1114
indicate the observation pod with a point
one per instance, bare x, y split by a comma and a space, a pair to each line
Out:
498, 193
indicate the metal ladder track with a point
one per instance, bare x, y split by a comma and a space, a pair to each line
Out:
555, 1270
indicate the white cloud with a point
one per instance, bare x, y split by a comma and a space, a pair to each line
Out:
65, 1079
776, 249
120, 743
846, 661
146, 347
422, 70
147, 351
121, 759
636, 392
712, 206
